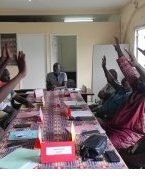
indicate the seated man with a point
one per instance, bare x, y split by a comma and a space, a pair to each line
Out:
105, 92
108, 89
56, 79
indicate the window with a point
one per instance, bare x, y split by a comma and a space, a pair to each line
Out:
140, 42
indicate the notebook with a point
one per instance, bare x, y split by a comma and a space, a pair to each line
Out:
21, 158
25, 134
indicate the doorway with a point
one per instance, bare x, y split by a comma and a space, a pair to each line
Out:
64, 51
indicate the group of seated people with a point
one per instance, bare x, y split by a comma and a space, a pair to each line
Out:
121, 110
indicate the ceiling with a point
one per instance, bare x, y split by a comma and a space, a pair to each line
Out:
58, 10
63, 4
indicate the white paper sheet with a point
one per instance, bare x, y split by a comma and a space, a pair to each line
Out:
81, 113
74, 89
58, 150
74, 103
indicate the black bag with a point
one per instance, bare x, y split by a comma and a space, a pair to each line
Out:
93, 147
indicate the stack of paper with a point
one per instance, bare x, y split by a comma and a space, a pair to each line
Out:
74, 103
21, 159
81, 114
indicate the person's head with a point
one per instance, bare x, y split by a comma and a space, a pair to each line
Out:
126, 85
56, 69
113, 73
5, 77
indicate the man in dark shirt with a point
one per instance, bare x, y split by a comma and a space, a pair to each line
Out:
56, 79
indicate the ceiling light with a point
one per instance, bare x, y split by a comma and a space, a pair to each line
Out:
30, 0
78, 19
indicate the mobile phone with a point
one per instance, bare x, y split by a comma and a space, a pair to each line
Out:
111, 156
22, 125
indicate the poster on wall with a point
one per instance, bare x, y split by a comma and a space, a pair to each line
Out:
11, 41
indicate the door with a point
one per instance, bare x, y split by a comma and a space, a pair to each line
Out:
34, 46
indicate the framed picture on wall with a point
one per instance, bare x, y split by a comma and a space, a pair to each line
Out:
11, 40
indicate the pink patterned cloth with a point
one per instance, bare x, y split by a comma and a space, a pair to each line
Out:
129, 72
128, 124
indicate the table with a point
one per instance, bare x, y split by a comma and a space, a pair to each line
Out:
87, 93
54, 128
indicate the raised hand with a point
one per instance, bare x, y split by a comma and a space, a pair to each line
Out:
9, 53
6, 52
21, 63
117, 47
133, 62
104, 61
142, 51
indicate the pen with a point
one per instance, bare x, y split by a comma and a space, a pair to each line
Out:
13, 147
19, 136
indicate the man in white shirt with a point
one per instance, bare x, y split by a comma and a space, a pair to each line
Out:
56, 79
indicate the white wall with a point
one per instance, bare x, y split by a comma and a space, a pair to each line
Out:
34, 46
132, 17
87, 35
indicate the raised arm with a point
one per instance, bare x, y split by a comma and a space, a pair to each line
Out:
5, 58
4, 91
109, 76
125, 66
135, 64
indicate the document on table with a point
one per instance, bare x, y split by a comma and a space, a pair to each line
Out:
81, 114
21, 159
74, 103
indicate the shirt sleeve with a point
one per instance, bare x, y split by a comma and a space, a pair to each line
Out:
129, 72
